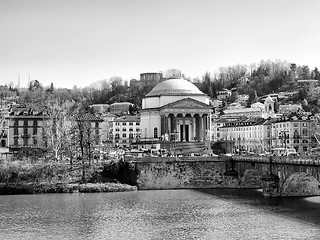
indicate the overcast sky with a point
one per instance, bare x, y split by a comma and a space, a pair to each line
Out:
78, 42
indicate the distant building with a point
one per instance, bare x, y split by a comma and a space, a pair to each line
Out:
100, 108
258, 109
289, 108
151, 77
120, 108
125, 131
223, 94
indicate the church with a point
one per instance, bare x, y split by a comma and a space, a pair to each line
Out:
175, 110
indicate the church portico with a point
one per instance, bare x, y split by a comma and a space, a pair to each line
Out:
184, 127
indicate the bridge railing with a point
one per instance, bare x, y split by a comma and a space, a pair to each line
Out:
301, 160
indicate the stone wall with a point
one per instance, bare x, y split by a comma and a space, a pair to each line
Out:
171, 173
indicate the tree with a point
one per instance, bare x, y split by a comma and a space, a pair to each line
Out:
305, 72
173, 73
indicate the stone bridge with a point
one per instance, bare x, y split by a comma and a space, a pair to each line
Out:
269, 173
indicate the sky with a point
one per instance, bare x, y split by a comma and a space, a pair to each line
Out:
79, 42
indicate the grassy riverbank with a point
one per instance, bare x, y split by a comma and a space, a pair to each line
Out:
33, 188
23, 177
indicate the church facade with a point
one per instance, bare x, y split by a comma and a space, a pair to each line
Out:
175, 110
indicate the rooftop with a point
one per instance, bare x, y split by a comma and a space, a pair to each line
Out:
174, 87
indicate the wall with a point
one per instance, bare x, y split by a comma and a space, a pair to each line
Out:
169, 173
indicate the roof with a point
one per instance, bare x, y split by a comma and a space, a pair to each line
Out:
120, 104
174, 87
127, 118
88, 117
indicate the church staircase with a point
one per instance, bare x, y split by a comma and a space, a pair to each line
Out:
184, 148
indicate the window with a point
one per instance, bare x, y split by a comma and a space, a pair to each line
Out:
117, 129
15, 130
304, 141
295, 141
131, 129
35, 123
124, 129
124, 123
138, 129
305, 132
97, 124
304, 124
130, 123
137, 124
25, 141
155, 132
35, 130
130, 136
124, 135
117, 136
16, 141
295, 124
117, 123
35, 142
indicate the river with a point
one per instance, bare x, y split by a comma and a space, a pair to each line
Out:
162, 214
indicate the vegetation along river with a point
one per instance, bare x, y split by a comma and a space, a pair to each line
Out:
162, 214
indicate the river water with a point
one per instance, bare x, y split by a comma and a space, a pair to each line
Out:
163, 214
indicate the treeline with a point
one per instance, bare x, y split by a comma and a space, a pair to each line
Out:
261, 78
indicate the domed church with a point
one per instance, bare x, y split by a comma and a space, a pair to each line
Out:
175, 110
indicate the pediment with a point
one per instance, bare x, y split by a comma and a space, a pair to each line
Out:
186, 103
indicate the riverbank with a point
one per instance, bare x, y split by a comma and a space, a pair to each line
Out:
33, 188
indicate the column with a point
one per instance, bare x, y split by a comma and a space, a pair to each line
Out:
169, 125
184, 128
204, 118
200, 127
162, 125
191, 129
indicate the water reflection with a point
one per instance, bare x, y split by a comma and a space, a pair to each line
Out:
169, 214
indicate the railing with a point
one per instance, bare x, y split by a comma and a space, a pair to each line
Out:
301, 160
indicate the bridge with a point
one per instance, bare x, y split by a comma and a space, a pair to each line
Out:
239, 171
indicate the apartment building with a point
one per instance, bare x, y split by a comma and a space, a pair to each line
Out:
25, 127
125, 131
260, 135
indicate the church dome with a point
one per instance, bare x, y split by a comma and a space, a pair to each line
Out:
174, 87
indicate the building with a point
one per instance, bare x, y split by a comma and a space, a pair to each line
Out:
290, 108
151, 78
257, 110
125, 131
25, 127
106, 126
261, 135
247, 134
120, 108
223, 94
175, 110
100, 108
294, 132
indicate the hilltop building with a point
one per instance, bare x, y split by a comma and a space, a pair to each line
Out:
259, 110
120, 108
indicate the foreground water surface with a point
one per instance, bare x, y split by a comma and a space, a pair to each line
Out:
163, 214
